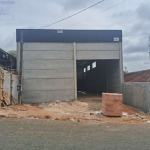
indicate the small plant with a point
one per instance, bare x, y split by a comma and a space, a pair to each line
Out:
13, 53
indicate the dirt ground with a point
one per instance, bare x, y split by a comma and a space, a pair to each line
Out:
86, 109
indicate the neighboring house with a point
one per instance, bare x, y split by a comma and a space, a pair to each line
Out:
138, 76
7, 60
58, 63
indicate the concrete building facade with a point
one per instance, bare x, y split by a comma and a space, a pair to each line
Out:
58, 63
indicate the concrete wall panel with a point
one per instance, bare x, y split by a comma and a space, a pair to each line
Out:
45, 74
137, 95
85, 55
114, 82
14, 86
47, 64
113, 64
96, 77
48, 96
97, 46
48, 72
48, 46
113, 74
47, 84
40, 55
114, 89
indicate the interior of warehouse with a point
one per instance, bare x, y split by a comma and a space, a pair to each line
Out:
97, 76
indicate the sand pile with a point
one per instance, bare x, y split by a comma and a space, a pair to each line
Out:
71, 106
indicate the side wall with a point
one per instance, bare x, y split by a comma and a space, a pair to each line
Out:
137, 95
114, 76
7, 80
48, 72
7, 85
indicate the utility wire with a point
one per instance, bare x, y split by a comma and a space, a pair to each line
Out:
96, 14
85, 19
73, 14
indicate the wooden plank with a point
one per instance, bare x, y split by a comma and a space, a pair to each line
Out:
6, 98
1, 85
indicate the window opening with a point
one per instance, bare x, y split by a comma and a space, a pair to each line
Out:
88, 68
94, 64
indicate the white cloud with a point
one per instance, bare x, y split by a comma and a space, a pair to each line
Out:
131, 16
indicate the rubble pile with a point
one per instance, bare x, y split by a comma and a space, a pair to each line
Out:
75, 111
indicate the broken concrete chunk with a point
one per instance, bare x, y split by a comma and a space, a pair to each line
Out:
30, 117
72, 119
148, 121
142, 117
125, 114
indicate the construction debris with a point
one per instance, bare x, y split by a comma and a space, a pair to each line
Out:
6, 98
1, 86
8, 90
71, 119
124, 114
148, 121
75, 111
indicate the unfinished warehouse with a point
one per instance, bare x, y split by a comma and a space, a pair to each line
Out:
66, 64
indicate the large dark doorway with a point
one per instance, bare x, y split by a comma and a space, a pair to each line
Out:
97, 76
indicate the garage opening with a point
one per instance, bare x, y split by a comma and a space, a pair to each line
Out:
97, 76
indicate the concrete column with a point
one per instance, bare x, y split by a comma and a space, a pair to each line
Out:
121, 66
107, 76
18, 57
75, 71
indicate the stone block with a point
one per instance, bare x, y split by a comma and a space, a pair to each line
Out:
112, 104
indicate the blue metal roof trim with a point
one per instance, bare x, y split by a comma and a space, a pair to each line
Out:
69, 36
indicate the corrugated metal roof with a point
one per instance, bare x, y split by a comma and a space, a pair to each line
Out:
69, 36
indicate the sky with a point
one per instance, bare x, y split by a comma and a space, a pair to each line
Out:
131, 16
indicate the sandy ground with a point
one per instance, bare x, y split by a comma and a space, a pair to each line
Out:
86, 109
